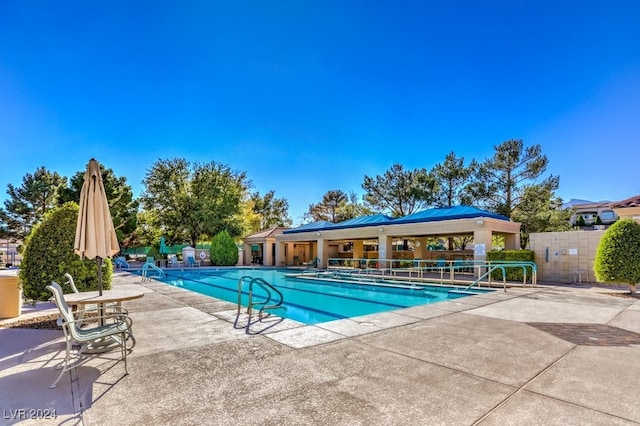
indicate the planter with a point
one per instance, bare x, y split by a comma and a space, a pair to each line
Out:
10, 297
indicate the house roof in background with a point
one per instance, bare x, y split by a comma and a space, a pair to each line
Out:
629, 202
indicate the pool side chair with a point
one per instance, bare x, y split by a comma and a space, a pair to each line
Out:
174, 262
312, 263
71, 283
120, 262
107, 307
458, 266
192, 262
118, 331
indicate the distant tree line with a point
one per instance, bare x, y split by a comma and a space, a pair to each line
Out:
510, 183
192, 202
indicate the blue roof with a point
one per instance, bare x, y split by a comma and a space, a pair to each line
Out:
313, 226
357, 222
448, 213
429, 215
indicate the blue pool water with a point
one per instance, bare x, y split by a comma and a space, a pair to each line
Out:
309, 302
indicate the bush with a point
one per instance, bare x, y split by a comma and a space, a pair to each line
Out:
618, 256
48, 254
223, 251
516, 273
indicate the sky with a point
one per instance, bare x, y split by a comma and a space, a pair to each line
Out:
310, 96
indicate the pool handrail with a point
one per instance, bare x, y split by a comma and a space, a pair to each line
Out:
431, 265
268, 288
488, 274
154, 268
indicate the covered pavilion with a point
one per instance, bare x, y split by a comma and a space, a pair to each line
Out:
324, 240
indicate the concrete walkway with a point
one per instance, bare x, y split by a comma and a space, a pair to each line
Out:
547, 355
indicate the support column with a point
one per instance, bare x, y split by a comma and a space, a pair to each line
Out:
512, 241
323, 253
482, 244
280, 257
358, 249
267, 255
419, 248
385, 250
290, 253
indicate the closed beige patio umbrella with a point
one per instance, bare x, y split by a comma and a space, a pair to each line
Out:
95, 235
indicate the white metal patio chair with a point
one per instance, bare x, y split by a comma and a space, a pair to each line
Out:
107, 308
116, 332
174, 262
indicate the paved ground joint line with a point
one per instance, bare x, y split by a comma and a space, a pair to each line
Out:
466, 373
619, 313
520, 388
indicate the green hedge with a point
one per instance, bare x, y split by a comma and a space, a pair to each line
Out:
48, 255
513, 274
223, 251
618, 256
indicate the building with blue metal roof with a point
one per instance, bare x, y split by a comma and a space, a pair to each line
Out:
323, 240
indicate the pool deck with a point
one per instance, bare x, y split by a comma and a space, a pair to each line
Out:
554, 354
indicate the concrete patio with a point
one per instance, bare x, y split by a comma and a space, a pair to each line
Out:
547, 355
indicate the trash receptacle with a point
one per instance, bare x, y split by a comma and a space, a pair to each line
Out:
10, 297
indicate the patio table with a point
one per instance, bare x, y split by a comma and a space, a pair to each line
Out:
82, 299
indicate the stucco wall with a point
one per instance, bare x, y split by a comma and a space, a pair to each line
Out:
560, 254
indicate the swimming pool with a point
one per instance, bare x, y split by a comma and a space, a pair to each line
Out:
309, 302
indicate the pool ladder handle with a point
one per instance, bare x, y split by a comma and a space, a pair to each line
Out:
268, 288
145, 271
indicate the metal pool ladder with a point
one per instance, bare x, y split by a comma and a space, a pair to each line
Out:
264, 303
154, 269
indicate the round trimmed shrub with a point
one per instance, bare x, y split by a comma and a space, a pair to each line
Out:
617, 259
224, 251
48, 254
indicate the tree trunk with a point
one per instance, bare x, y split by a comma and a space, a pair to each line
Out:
632, 289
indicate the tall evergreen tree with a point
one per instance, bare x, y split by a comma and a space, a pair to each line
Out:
329, 208
400, 192
28, 203
499, 182
352, 207
540, 211
452, 177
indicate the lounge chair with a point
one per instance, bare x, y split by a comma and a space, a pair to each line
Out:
462, 266
312, 263
117, 332
174, 262
120, 262
458, 266
192, 262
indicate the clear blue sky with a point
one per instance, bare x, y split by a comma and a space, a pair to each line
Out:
309, 96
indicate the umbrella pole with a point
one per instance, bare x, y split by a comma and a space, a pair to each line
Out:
99, 263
